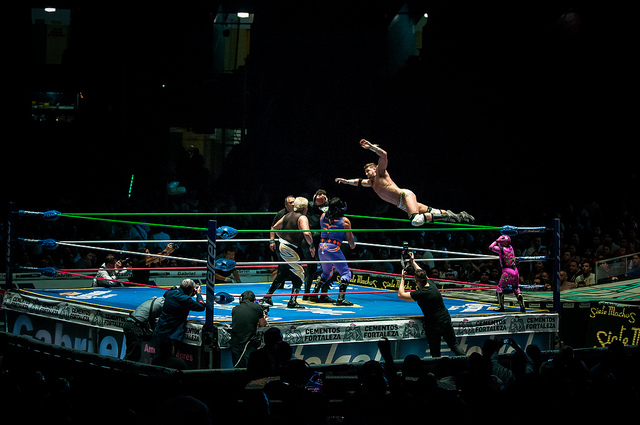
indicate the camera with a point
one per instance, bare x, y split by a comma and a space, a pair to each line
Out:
405, 251
405, 259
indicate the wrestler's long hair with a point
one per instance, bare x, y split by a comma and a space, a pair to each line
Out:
337, 207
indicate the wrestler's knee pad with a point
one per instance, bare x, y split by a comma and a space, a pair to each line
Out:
417, 219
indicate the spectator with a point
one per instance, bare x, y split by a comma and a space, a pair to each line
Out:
365, 255
534, 248
632, 242
604, 273
87, 261
634, 266
110, 273
545, 279
586, 277
161, 237
572, 271
266, 361
484, 278
384, 266
225, 266
565, 283
520, 362
538, 269
607, 247
140, 273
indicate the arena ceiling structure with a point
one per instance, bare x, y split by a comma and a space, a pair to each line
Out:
419, 76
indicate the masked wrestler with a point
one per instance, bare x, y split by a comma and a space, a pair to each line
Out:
510, 276
335, 226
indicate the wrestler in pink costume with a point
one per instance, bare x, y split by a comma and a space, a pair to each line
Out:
510, 276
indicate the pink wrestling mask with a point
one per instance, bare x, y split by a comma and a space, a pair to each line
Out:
504, 240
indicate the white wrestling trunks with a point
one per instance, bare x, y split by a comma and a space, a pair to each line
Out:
403, 193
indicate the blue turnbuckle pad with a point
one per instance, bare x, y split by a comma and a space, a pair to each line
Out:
50, 215
509, 230
45, 271
49, 271
49, 244
46, 243
223, 298
224, 264
226, 232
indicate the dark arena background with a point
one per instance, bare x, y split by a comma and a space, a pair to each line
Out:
141, 125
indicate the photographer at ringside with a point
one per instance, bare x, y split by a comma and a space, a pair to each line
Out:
110, 273
437, 321
246, 317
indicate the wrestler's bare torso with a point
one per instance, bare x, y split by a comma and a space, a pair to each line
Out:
381, 183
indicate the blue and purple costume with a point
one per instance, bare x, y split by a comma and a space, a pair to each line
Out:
330, 251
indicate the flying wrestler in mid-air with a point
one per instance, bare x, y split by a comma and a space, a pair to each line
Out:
378, 178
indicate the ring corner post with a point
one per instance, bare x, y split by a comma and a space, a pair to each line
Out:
208, 332
557, 240
8, 284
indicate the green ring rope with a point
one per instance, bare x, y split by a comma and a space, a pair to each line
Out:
161, 214
458, 226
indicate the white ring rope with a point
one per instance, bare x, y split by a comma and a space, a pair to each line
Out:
438, 251
121, 251
253, 263
256, 263
259, 263
168, 241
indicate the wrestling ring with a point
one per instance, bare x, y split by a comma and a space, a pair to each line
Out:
72, 308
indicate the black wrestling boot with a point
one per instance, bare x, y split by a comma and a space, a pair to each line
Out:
341, 300
293, 302
325, 298
500, 302
447, 216
466, 218
316, 289
307, 289
274, 285
521, 302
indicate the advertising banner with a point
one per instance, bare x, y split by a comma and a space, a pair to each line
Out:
406, 329
610, 322
91, 328
82, 314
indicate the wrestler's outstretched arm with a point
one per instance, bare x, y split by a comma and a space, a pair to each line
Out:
382, 154
353, 182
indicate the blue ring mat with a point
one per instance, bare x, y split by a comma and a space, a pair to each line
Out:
369, 303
